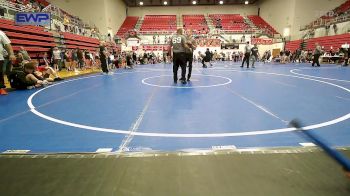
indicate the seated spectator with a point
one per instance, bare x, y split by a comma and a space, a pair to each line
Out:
18, 64
27, 79
24, 54
277, 59
46, 71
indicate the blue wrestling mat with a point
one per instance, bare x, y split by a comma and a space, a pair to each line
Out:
224, 106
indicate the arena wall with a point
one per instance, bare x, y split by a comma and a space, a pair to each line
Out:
181, 10
107, 15
294, 14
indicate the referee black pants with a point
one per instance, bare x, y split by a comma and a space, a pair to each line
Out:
2, 81
315, 60
246, 59
189, 59
179, 60
104, 65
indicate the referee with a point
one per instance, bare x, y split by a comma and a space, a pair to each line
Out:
189, 52
178, 45
317, 54
246, 55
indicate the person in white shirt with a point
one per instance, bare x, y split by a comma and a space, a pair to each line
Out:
246, 54
5, 43
56, 54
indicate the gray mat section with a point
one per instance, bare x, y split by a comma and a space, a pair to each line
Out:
308, 173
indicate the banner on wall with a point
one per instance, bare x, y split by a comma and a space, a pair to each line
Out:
33, 18
229, 46
133, 42
206, 42
156, 47
262, 41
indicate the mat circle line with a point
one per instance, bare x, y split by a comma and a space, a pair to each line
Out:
198, 135
144, 81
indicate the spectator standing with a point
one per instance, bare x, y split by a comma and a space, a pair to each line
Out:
5, 43
103, 58
154, 39
80, 55
317, 54
328, 26
56, 55
346, 56
189, 52
255, 54
335, 28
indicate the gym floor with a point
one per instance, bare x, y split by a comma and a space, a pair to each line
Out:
136, 133
142, 110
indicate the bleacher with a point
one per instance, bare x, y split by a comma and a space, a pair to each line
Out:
34, 39
72, 41
293, 45
339, 14
343, 7
155, 47
335, 41
158, 24
229, 22
197, 23
128, 24
262, 24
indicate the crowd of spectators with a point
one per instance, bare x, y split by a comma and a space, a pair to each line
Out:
339, 55
30, 5
331, 18
65, 22
26, 70
61, 22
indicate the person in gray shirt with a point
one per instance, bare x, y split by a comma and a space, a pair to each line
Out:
179, 46
255, 54
189, 53
246, 54
317, 54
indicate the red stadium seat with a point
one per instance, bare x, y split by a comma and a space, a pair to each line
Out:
262, 24
159, 23
293, 45
128, 24
229, 22
335, 41
196, 23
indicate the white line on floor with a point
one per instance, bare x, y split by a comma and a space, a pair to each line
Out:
293, 71
347, 99
127, 139
307, 144
262, 108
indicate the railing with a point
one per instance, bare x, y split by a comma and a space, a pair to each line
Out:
8, 5
62, 15
322, 22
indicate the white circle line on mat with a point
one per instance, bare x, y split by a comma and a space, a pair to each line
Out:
144, 81
294, 71
199, 135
